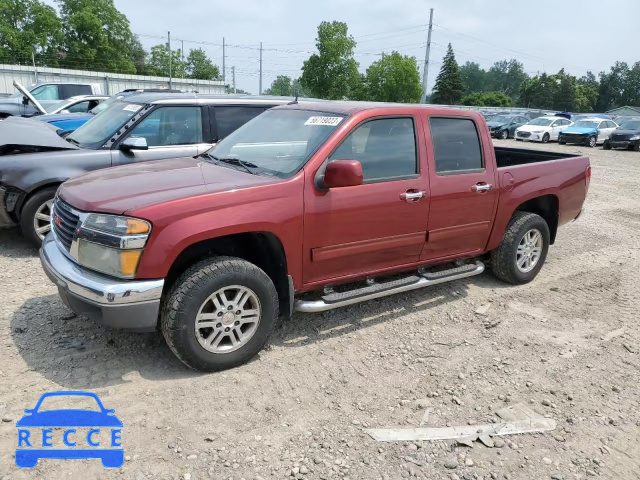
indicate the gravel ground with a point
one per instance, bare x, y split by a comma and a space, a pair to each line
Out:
565, 345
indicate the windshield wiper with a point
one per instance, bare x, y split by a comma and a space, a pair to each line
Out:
72, 141
246, 166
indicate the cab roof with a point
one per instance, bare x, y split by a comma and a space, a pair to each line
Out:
198, 99
351, 107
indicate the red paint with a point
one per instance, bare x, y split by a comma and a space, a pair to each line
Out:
333, 235
343, 173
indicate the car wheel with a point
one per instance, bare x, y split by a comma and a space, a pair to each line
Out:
36, 215
636, 147
545, 138
26, 459
523, 250
219, 313
504, 135
592, 142
606, 145
561, 141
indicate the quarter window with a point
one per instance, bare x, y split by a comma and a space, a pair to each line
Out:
456, 144
386, 148
171, 126
80, 107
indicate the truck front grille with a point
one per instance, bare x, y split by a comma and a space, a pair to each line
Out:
64, 222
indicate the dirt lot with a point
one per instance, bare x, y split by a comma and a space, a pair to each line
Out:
566, 346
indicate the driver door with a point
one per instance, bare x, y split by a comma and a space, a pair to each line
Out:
169, 131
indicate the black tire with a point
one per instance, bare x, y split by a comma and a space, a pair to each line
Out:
503, 259
592, 142
636, 147
188, 294
504, 135
545, 138
561, 142
606, 145
31, 206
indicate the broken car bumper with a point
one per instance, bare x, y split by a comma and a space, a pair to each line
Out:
5, 218
130, 304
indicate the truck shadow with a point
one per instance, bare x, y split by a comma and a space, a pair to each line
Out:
15, 245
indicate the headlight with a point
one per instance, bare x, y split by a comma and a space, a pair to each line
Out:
536, 131
635, 137
111, 244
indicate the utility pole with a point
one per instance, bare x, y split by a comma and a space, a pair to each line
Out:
233, 73
260, 86
35, 69
182, 53
169, 44
426, 61
224, 59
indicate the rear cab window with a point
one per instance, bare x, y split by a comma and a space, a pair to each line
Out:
456, 145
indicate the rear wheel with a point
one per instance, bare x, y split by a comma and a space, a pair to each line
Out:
219, 313
606, 145
593, 140
35, 219
545, 138
523, 249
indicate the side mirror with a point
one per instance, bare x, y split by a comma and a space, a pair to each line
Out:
134, 143
343, 173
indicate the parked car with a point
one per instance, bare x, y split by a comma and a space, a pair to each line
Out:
542, 129
586, 116
589, 131
303, 199
68, 122
46, 94
136, 128
504, 126
626, 135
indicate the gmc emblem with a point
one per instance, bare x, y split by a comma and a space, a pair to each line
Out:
57, 220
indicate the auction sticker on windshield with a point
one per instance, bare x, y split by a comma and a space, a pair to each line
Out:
132, 107
328, 121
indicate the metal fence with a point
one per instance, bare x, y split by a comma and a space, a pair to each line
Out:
109, 83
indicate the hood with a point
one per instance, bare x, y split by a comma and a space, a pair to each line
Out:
582, 130
22, 135
532, 128
30, 97
496, 124
626, 132
121, 189
55, 117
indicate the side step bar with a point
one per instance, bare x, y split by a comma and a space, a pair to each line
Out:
382, 289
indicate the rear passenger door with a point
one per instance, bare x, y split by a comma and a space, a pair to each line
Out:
463, 189
227, 119
170, 131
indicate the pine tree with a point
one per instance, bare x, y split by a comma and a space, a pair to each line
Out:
448, 89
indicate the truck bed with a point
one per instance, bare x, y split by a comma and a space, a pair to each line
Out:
509, 157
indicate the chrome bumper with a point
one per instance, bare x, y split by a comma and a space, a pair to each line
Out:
131, 304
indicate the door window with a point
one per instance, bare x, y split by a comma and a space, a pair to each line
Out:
171, 126
386, 148
46, 92
80, 107
229, 119
456, 145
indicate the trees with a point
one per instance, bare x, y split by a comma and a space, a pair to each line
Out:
393, 78
486, 99
448, 88
96, 36
506, 76
473, 77
29, 27
332, 72
158, 62
282, 86
200, 66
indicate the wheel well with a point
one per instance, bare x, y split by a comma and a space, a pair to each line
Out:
18, 209
547, 207
263, 249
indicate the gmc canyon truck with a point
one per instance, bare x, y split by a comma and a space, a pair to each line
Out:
308, 207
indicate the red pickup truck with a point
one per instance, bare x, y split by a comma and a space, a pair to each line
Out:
309, 207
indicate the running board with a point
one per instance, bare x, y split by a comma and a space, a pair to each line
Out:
382, 289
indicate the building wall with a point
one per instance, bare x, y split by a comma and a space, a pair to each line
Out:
109, 83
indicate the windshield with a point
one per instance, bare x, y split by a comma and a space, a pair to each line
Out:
58, 105
542, 122
587, 124
99, 129
500, 119
106, 104
633, 125
277, 142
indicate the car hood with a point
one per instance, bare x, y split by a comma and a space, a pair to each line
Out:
496, 124
533, 128
24, 134
626, 132
69, 418
122, 189
583, 130
55, 117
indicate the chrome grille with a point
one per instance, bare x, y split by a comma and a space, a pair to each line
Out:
64, 223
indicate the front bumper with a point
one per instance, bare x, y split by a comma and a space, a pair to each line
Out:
533, 137
130, 304
5, 218
623, 143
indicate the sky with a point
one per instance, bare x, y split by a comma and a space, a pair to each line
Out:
577, 35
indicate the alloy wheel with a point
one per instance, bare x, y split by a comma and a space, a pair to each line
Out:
42, 219
529, 250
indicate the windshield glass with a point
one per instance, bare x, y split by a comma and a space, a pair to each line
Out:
106, 104
587, 124
632, 125
542, 122
500, 119
277, 142
57, 106
99, 129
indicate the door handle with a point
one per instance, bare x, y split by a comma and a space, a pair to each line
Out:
481, 187
412, 195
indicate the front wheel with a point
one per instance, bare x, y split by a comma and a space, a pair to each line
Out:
606, 145
592, 141
636, 147
546, 138
504, 135
35, 219
219, 313
523, 250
